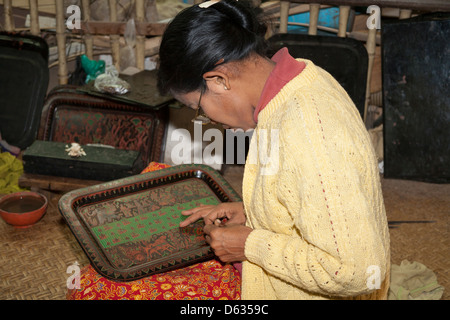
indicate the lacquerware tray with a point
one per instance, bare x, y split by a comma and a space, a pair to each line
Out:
24, 77
143, 93
71, 116
129, 228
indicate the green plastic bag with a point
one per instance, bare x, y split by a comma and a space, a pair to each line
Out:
92, 68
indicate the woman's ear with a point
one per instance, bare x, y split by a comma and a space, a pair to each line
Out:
217, 81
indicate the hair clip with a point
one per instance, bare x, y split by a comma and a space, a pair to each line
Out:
207, 4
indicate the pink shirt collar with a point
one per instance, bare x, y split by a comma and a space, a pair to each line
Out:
285, 70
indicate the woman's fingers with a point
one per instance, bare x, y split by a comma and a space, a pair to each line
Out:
196, 214
228, 242
194, 210
231, 211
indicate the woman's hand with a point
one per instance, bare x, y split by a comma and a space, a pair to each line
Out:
233, 212
227, 242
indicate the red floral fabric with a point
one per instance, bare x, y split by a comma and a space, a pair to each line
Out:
210, 280
153, 166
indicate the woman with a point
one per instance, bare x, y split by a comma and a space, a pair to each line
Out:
312, 224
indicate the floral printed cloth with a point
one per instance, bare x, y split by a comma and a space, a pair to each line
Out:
210, 280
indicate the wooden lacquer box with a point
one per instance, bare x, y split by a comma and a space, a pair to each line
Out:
99, 163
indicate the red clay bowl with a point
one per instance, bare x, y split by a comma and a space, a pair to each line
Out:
23, 209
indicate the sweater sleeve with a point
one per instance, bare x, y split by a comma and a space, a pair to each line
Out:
327, 186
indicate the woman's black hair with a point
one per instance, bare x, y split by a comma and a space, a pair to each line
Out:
198, 39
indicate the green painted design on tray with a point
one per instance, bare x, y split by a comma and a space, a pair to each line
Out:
105, 212
143, 226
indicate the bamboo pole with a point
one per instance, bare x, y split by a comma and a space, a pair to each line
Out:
344, 12
9, 20
370, 46
405, 14
140, 39
34, 18
115, 39
284, 15
313, 18
88, 37
61, 42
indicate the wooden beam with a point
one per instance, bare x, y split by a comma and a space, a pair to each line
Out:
284, 15
9, 19
46, 6
422, 5
405, 14
140, 39
88, 37
344, 12
114, 37
314, 9
370, 47
118, 28
61, 42
34, 18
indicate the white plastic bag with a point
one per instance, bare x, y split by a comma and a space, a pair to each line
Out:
109, 82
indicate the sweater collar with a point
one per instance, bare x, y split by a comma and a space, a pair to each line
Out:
285, 70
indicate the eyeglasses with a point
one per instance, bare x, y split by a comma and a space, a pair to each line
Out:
202, 118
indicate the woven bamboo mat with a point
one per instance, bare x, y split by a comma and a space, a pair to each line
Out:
33, 262
427, 243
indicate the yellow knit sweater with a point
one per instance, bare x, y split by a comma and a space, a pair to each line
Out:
312, 194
